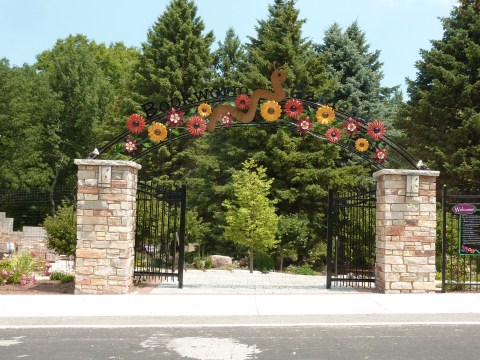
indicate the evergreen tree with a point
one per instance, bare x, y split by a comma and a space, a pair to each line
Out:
359, 73
279, 39
250, 216
229, 58
176, 57
442, 118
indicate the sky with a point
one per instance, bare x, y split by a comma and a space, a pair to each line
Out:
398, 28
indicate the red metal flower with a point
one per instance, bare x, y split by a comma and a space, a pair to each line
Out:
351, 126
196, 125
174, 117
333, 134
380, 155
135, 123
293, 108
376, 130
242, 101
304, 125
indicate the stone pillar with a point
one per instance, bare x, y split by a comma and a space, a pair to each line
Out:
106, 209
405, 231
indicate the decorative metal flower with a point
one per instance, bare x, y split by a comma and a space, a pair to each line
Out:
135, 123
226, 119
270, 111
380, 155
351, 126
196, 125
157, 132
130, 145
333, 134
204, 110
175, 118
376, 130
325, 115
304, 125
293, 108
242, 101
361, 144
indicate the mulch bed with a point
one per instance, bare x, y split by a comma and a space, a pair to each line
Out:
41, 287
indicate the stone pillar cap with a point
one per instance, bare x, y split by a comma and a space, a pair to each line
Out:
406, 172
96, 162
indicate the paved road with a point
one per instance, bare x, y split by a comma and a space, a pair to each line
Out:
246, 341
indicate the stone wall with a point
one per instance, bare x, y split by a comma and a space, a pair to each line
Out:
106, 212
31, 239
405, 231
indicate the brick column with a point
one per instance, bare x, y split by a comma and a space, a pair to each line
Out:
106, 210
405, 231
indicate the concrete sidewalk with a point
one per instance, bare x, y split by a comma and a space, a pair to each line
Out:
239, 294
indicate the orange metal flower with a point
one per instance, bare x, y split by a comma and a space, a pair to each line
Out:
196, 125
293, 108
242, 101
333, 134
135, 123
376, 130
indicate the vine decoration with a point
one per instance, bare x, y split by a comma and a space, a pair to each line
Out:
366, 139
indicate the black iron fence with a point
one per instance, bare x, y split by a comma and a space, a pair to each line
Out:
351, 239
160, 232
460, 261
30, 207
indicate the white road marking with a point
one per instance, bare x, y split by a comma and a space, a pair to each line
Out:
203, 348
236, 325
11, 341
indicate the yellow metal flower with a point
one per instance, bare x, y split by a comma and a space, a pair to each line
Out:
361, 144
270, 111
204, 110
157, 132
325, 115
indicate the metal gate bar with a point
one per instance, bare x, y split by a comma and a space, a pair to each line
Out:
351, 239
160, 232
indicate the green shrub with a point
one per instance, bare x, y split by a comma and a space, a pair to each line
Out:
62, 230
262, 261
300, 270
63, 277
208, 263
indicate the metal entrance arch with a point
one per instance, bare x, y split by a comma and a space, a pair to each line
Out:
160, 232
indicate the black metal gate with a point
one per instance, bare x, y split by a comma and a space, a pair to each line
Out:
160, 232
460, 262
351, 239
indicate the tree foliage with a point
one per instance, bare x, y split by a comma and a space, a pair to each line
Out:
250, 216
442, 118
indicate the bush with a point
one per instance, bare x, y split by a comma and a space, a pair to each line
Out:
63, 277
62, 230
208, 262
262, 261
300, 270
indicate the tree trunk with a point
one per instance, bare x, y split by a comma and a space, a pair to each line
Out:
281, 258
251, 260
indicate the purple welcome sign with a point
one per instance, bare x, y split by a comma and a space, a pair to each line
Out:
464, 209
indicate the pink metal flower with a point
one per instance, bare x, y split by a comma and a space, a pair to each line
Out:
351, 126
174, 117
226, 119
380, 155
304, 125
